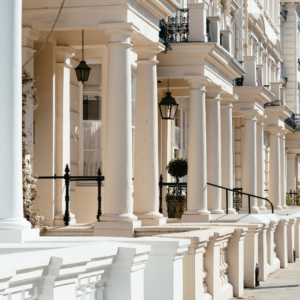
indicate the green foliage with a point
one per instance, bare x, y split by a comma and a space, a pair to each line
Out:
29, 180
178, 167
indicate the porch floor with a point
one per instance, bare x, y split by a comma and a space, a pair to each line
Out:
283, 284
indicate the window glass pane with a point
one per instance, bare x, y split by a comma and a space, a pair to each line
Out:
133, 139
177, 118
91, 107
91, 162
177, 137
92, 135
133, 112
183, 120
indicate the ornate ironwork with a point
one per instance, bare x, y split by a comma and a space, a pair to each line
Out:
178, 26
208, 30
176, 29
256, 275
163, 34
221, 39
293, 122
68, 178
237, 199
239, 81
293, 198
273, 103
176, 198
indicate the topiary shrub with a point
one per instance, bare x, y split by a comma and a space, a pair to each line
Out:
178, 167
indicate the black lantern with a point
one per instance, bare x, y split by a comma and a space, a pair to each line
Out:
168, 106
83, 70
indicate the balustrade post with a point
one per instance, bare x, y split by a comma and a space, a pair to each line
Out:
67, 197
160, 193
99, 180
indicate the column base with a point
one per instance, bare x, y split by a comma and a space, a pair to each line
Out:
116, 229
231, 211
153, 222
245, 210
19, 236
284, 207
14, 224
278, 207
195, 218
59, 220
217, 211
262, 208
151, 219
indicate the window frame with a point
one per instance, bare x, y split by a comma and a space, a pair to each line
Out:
81, 134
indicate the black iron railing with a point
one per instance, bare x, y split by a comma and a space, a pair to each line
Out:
178, 26
293, 122
293, 198
68, 178
176, 197
221, 39
273, 103
208, 30
239, 81
242, 193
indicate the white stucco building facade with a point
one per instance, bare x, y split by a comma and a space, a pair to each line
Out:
232, 67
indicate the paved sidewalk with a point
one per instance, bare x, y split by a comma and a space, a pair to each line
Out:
283, 284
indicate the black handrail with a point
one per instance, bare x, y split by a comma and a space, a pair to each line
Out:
68, 178
242, 193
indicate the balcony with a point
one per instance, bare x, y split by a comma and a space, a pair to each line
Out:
293, 122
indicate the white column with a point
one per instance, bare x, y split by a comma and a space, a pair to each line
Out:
197, 178
146, 196
226, 153
249, 167
118, 204
62, 128
29, 36
291, 171
213, 132
275, 184
260, 161
11, 201
283, 169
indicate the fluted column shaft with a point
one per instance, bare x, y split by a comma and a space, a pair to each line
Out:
197, 178
249, 167
275, 177
11, 201
118, 204
146, 204
226, 153
260, 162
283, 169
213, 131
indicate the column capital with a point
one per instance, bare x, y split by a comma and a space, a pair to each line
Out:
29, 36
214, 93
274, 130
196, 81
283, 132
64, 53
227, 100
292, 155
154, 48
250, 114
260, 120
118, 32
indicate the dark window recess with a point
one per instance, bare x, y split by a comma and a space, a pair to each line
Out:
91, 109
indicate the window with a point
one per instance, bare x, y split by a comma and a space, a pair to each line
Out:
91, 123
180, 134
92, 134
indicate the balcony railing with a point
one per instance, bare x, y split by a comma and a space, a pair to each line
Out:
293, 122
239, 81
208, 30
